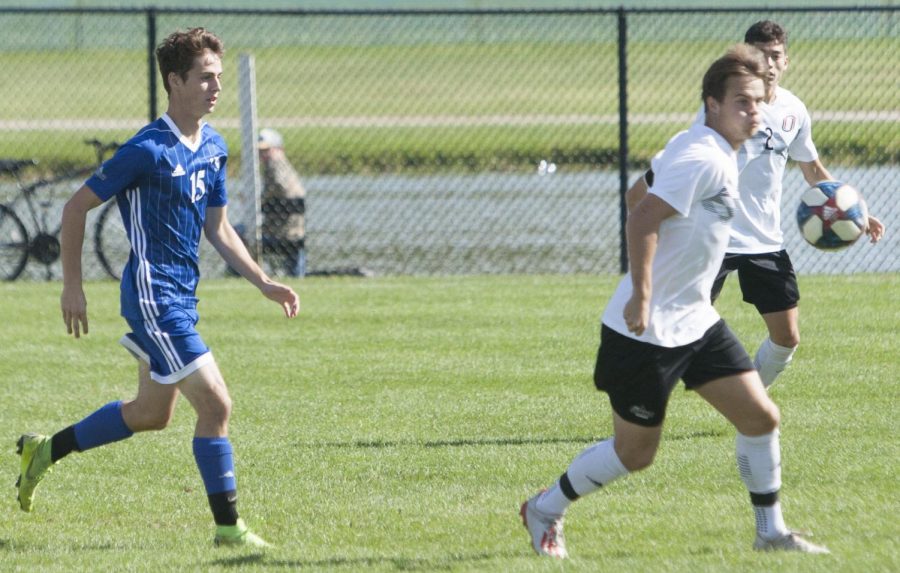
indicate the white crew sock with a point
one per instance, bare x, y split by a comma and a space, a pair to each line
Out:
759, 463
770, 521
595, 467
771, 359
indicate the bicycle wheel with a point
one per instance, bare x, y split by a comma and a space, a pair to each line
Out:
110, 240
13, 245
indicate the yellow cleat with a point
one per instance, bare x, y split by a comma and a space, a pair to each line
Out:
36, 463
238, 535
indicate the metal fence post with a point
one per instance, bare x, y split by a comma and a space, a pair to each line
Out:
151, 60
623, 136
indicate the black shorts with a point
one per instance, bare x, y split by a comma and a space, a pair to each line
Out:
768, 281
639, 376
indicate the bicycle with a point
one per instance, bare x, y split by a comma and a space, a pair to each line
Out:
40, 239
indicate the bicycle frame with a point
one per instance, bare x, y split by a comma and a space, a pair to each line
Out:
39, 239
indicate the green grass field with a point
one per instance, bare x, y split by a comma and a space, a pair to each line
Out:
398, 423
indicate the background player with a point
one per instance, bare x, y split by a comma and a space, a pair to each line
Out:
169, 181
660, 325
756, 249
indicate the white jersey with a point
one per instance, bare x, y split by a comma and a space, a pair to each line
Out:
697, 175
785, 130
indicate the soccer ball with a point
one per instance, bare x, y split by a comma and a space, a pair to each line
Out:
832, 215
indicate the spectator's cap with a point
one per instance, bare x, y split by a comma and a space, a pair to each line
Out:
269, 138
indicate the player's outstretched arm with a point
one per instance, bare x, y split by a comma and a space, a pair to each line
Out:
875, 230
814, 172
226, 241
72, 302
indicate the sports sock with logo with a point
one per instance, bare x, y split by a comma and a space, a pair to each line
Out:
595, 467
759, 463
771, 359
215, 460
104, 426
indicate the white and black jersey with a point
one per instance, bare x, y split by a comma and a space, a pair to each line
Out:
697, 175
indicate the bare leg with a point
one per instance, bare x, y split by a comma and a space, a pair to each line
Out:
154, 404
206, 391
635, 445
743, 400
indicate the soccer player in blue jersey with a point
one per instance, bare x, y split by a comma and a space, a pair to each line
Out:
169, 181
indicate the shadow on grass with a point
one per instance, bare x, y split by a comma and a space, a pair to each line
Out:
524, 441
400, 563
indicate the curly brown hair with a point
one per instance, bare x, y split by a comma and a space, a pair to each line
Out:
176, 54
766, 32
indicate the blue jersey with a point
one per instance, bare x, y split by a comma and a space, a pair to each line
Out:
163, 185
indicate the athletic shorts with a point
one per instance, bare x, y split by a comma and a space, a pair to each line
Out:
768, 281
639, 376
169, 344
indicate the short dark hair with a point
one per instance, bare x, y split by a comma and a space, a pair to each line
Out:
179, 50
766, 32
740, 60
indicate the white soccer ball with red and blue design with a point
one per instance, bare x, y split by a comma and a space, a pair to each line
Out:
832, 215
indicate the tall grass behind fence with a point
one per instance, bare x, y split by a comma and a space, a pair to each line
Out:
463, 142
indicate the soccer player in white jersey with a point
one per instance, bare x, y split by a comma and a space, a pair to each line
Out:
756, 250
169, 180
660, 325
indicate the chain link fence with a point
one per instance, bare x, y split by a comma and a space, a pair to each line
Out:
442, 142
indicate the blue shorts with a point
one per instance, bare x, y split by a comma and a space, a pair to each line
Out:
169, 344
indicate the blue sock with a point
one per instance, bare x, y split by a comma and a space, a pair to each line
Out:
216, 463
104, 426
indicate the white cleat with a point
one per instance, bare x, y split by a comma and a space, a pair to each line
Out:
546, 530
793, 541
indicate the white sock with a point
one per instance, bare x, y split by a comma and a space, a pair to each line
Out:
759, 463
595, 467
553, 501
770, 521
771, 359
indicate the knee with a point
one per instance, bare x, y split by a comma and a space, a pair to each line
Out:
217, 407
789, 338
790, 341
149, 421
765, 421
635, 457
